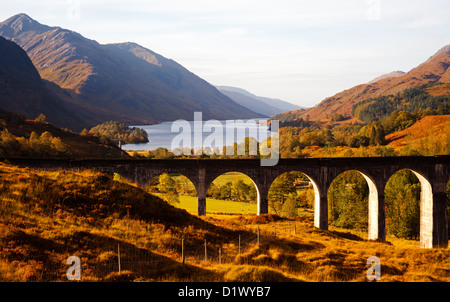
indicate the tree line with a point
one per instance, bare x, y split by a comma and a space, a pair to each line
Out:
44, 145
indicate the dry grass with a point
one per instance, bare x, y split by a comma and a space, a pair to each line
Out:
45, 217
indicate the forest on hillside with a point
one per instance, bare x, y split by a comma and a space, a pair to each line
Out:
413, 100
20, 137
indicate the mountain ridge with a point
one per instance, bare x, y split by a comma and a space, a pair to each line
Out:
263, 105
432, 71
122, 81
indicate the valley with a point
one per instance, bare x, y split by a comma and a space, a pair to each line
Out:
69, 99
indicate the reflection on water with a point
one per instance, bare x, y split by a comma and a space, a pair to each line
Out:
160, 135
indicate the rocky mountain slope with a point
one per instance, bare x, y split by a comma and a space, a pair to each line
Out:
124, 81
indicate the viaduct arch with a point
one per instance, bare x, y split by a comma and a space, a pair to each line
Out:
432, 172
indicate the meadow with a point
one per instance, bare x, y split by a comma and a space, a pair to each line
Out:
217, 206
45, 217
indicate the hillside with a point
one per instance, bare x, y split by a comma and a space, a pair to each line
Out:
266, 106
124, 82
23, 91
393, 74
426, 128
48, 216
433, 71
35, 138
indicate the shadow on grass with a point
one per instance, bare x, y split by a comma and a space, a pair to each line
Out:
346, 235
45, 259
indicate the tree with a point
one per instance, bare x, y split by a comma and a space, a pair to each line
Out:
239, 191
8, 143
58, 146
337, 117
166, 183
213, 191
225, 191
120, 132
376, 134
306, 198
41, 118
290, 206
282, 188
168, 186
348, 201
402, 197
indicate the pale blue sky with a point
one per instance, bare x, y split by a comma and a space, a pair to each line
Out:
298, 51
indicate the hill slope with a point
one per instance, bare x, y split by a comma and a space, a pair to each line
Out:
23, 91
48, 216
29, 138
427, 128
124, 82
434, 70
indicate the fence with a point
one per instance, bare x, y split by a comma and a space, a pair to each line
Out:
114, 259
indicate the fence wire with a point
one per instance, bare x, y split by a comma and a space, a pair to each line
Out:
114, 259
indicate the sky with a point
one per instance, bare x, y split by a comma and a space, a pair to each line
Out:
295, 50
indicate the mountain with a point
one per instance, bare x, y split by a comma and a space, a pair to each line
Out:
433, 71
266, 106
23, 91
124, 82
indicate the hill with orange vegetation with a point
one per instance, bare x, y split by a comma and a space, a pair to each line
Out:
430, 127
433, 71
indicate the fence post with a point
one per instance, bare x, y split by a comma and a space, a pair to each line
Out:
206, 255
118, 255
182, 250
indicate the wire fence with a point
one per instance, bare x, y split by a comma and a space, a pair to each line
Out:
113, 260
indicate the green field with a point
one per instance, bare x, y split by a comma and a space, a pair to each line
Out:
219, 206
216, 206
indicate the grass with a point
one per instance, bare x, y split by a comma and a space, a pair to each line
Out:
45, 217
230, 176
216, 206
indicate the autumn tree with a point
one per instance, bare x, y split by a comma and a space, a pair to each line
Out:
402, 198
348, 201
167, 185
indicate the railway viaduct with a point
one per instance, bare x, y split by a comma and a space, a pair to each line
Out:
432, 172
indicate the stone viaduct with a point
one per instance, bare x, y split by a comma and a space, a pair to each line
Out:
432, 172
